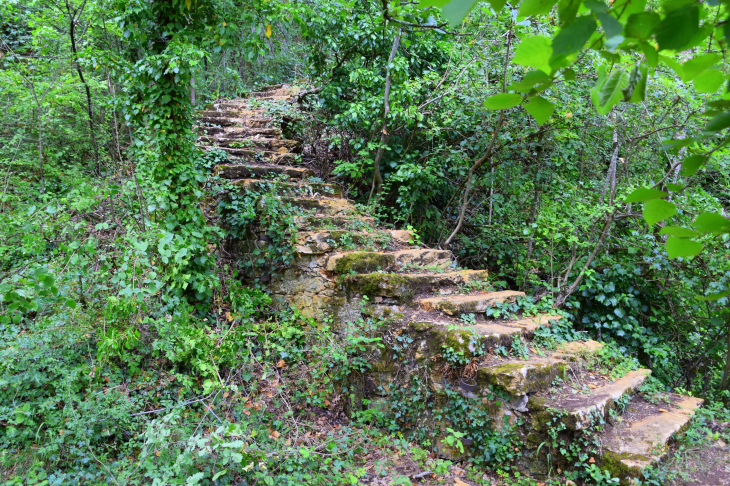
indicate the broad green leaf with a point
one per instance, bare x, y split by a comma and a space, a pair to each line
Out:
625, 8
674, 64
691, 165
531, 79
719, 122
534, 52
569, 74
595, 6
717, 296
456, 10
641, 25
638, 74
567, 10
611, 93
611, 26
679, 232
600, 81
535, 7
502, 101
71, 303
658, 210
640, 89
678, 29
680, 247
540, 109
652, 56
497, 5
644, 194
709, 81
674, 187
675, 145
712, 223
574, 36
699, 64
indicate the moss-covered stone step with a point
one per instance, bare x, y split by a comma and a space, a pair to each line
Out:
402, 287
454, 305
254, 156
521, 377
248, 171
322, 205
233, 133
325, 241
307, 189
633, 444
530, 324
579, 409
578, 349
280, 145
370, 261
253, 122
348, 222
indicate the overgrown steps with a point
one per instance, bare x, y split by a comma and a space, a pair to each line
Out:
367, 262
455, 305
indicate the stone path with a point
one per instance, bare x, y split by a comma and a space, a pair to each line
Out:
341, 256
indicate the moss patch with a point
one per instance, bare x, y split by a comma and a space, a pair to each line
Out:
363, 262
614, 464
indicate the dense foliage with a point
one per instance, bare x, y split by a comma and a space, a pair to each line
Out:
585, 174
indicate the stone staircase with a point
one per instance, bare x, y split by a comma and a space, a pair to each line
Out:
436, 325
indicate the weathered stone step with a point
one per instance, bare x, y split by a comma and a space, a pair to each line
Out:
521, 377
350, 222
581, 409
247, 171
239, 122
301, 189
321, 205
530, 324
633, 444
251, 155
468, 304
369, 261
403, 287
325, 241
241, 132
261, 143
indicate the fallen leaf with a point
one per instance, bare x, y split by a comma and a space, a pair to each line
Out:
663, 411
591, 461
281, 364
592, 386
459, 482
268, 30
327, 403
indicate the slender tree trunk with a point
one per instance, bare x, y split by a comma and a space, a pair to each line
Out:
377, 177
726, 372
72, 33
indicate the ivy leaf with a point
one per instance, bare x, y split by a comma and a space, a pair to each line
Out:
540, 109
680, 247
709, 81
644, 194
535, 7
679, 232
641, 25
691, 165
534, 52
678, 29
712, 223
502, 101
574, 36
165, 99
716, 296
658, 210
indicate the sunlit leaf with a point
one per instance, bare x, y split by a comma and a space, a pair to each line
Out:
531, 79
574, 36
658, 210
719, 122
610, 93
534, 52
641, 25
502, 101
699, 64
643, 194
540, 109
682, 247
611, 26
712, 297
268, 30
535, 7
712, 223
709, 81
691, 165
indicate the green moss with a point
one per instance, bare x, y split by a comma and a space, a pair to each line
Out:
421, 326
363, 262
382, 284
614, 464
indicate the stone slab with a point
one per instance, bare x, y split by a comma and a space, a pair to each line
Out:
466, 304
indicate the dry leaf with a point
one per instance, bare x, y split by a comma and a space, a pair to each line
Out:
459, 482
280, 364
327, 403
268, 30
592, 387
225, 394
663, 410
591, 461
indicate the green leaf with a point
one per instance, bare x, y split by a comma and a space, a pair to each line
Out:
530, 80
674, 64
716, 296
680, 247
610, 92
709, 81
611, 26
455, 10
678, 29
640, 89
625, 8
567, 10
540, 109
535, 7
691, 165
679, 232
699, 64
534, 52
165, 99
497, 5
658, 210
652, 56
635, 82
674, 187
641, 25
644, 194
71, 303
712, 223
574, 36
719, 122
569, 74
502, 101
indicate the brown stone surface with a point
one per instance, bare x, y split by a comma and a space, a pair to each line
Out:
640, 443
403, 287
580, 348
530, 324
465, 304
290, 188
522, 377
246, 171
392, 261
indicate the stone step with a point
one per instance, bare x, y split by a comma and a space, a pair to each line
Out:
348, 222
236, 122
369, 261
247, 171
301, 189
581, 409
321, 242
454, 305
320, 205
530, 324
234, 133
252, 155
574, 350
258, 142
403, 287
521, 377
635, 443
